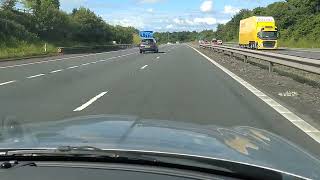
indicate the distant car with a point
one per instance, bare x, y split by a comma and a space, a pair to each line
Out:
169, 43
219, 42
214, 42
148, 45
177, 42
204, 43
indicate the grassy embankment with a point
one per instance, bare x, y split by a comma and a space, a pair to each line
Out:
26, 49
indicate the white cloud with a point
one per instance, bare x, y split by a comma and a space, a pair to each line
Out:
195, 21
206, 6
170, 26
206, 20
150, 10
230, 10
126, 22
178, 21
189, 22
223, 21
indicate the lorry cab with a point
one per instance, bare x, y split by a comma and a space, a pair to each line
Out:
258, 32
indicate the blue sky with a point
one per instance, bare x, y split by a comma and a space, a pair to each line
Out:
165, 15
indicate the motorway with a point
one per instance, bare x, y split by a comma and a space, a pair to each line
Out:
176, 84
306, 53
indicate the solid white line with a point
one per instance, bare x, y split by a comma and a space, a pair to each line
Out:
144, 66
72, 67
290, 116
9, 82
90, 101
55, 71
38, 75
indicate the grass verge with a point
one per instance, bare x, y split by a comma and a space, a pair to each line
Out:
25, 49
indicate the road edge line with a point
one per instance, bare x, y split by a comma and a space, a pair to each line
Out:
290, 116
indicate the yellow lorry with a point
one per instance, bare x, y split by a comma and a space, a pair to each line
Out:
258, 32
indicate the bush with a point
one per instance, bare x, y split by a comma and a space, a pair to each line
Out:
11, 31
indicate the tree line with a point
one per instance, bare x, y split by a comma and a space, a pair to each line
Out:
297, 20
43, 20
184, 36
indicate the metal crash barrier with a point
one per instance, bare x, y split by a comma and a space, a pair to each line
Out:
306, 64
93, 49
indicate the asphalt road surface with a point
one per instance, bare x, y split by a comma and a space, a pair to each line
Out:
307, 53
176, 84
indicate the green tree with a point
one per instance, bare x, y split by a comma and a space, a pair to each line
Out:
8, 4
90, 27
36, 4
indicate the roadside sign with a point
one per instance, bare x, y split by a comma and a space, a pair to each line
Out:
146, 34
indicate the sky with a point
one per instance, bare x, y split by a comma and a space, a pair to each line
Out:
166, 15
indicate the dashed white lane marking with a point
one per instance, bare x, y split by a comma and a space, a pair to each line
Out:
157, 57
34, 76
9, 82
55, 71
72, 67
59, 70
290, 116
85, 105
143, 67
60, 59
84, 64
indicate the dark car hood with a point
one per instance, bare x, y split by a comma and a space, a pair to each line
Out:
242, 144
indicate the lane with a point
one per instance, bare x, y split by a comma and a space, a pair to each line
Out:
20, 69
54, 96
31, 61
183, 86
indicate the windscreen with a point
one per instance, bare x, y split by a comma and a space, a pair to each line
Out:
269, 34
174, 76
147, 41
